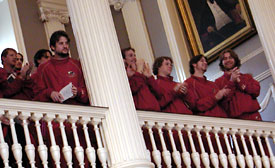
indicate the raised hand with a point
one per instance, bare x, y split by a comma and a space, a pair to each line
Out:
235, 75
131, 69
147, 71
140, 65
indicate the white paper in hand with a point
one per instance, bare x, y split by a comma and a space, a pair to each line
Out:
66, 92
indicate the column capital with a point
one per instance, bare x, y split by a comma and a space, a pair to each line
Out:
118, 4
53, 10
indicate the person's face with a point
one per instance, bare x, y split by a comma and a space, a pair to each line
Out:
19, 61
228, 61
45, 58
61, 47
10, 59
130, 57
201, 65
166, 68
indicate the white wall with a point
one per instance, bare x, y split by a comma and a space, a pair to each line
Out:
7, 37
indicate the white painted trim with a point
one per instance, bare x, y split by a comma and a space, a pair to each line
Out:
17, 29
262, 76
252, 55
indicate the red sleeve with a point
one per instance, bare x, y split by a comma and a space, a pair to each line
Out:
201, 103
41, 92
164, 97
249, 85
206, 103
137, 81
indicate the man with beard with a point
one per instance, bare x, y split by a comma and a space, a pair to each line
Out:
243, 102
54, 75
59, 72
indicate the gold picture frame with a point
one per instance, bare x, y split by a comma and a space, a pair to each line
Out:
198, 21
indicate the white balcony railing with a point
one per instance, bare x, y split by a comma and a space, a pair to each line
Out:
177, 140
173, 140
24, 112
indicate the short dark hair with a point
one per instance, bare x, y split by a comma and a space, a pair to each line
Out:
195, 60
123, 51
56, 36
233, 55
5, 52
158, 63
39, 54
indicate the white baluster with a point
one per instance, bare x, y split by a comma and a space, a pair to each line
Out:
90, 151
29, 148
165, 153
42, 149
195, 155
67, 150
101, 151
222, 156
55, 150
148, 153
248, 157
175, 153
257, 158
265, 159
272, 158
185, 154
204, 155
240, 157
213, 156
155, 153
231, 156
16, 147
4, 148
78, 150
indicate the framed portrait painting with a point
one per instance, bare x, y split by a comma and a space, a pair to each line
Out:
213, 25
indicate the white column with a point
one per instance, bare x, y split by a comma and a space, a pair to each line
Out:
54, 15
107, 82
264, 16
137, 31
175, 37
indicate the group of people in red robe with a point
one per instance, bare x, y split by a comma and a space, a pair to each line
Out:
232, 95
53, 73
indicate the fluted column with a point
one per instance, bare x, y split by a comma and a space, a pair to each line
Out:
53, 14
107, 82
175, 37
137, 31
264, 16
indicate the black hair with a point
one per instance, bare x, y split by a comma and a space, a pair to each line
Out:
123, 51
56, 36
39, 54
194, 60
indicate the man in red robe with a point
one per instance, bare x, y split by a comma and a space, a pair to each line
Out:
54, 75
243, 102
175, 98
141, 81
14, 85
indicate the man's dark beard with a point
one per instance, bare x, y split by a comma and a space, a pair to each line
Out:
63, 55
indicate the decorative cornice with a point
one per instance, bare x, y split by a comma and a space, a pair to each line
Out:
47, 14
